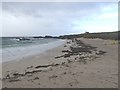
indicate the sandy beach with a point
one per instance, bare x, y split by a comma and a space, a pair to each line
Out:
79, 63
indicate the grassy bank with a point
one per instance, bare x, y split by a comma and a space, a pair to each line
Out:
103, 35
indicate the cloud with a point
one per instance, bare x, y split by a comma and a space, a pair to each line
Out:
52, 18
0, 19
109, 15
106, 20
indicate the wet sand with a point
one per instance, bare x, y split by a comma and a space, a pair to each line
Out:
79, 63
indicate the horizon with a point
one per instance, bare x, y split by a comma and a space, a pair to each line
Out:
58, 18
58, 35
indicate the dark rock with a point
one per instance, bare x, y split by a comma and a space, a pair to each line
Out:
63, 63
100, 52
58, 57
69, 61
53, 76
66, 51
29, 67
67, 55
65, 45
36, 78
40, 66
14, 80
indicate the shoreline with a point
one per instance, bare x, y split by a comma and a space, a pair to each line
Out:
80, 63
17, 53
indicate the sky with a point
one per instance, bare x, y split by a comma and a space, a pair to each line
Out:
58, 18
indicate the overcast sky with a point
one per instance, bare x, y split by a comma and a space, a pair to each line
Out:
55, 18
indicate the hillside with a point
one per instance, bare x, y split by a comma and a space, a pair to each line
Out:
102, 35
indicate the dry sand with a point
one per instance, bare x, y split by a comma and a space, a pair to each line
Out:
56, 69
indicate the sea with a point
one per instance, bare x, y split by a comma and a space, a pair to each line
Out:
12, 48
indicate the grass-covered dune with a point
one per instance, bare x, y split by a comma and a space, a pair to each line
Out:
102, 35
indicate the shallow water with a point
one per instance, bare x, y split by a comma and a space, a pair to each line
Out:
17, 52
7, 42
